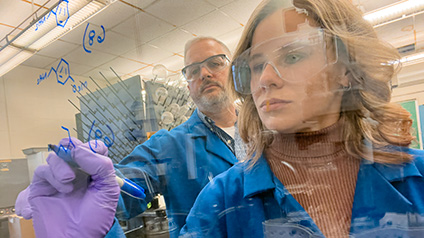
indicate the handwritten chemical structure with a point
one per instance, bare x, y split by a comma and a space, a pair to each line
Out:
98, 135
62, 72
41, 78
90, 37
79, 88
70, 140
61, 13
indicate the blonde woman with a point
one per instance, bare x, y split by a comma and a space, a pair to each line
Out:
328, 152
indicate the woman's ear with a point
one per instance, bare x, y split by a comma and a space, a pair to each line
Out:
344, 75
344, 80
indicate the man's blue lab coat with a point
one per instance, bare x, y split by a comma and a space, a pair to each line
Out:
240, 203
177, 164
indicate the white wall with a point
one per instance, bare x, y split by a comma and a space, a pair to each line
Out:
31, 115
414, 92
411, 84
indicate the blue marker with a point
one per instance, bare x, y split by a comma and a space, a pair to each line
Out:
127, 186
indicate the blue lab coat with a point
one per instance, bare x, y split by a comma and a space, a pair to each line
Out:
240, 203
177, 164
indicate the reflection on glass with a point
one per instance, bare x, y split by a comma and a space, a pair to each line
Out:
329, 154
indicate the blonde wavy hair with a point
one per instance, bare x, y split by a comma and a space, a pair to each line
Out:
366, 109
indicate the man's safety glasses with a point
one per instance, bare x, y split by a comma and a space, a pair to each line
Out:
293, 57
213, 64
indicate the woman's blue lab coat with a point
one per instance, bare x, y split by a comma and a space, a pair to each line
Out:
177, 164
388, 202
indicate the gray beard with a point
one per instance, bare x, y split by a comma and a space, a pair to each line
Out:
214, 104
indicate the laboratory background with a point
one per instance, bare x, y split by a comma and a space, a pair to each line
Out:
109, 70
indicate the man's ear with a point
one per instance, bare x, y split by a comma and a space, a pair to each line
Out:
189, 91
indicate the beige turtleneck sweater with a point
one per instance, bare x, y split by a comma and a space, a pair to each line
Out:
321, 176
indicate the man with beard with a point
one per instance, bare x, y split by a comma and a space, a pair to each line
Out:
206, 72
176, 163
181, 162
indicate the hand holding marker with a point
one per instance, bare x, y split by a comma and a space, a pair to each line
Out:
127, 186
63, 199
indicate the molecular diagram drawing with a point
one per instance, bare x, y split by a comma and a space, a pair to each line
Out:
62, 72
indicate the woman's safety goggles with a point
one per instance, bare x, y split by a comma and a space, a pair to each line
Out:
213, 64
293, 57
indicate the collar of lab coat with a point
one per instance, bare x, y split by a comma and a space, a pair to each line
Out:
258, 178
376, 190
373, 179
199, 131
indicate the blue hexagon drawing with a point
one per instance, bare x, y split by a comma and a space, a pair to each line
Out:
62, 13
62, 72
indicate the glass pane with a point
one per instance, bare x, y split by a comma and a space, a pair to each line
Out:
102, 135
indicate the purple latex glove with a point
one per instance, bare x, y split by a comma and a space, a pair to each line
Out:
66, 202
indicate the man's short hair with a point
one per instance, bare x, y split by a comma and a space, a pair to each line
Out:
202, 38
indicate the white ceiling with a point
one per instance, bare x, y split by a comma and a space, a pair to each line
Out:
143, 33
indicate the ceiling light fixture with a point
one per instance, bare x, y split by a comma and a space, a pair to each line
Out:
412, 59
50, 26
394, 12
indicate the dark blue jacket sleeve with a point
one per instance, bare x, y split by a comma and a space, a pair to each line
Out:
203, 219
221, 210
115, 231
143, 166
